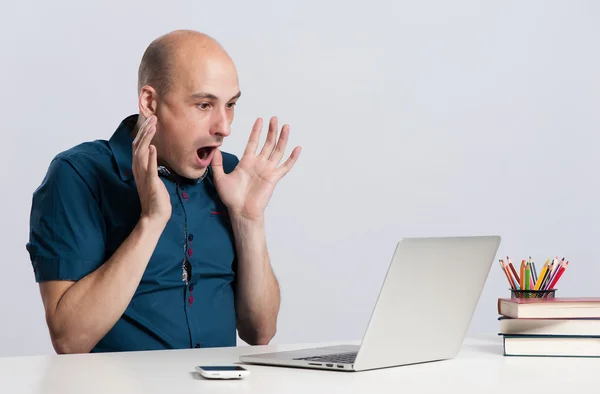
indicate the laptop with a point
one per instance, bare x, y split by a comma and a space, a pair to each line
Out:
423, 311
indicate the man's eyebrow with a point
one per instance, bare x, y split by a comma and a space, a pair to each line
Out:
202, 95
210, 96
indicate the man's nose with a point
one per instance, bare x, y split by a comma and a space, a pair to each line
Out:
221, 124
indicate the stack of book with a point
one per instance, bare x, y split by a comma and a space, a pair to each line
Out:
552, 327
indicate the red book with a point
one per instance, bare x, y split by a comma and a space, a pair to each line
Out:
549, 308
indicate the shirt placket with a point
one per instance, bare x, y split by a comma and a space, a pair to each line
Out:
188, 252
186, 274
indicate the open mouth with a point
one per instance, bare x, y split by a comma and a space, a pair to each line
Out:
204, 153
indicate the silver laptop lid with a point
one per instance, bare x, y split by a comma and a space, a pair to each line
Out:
427, 301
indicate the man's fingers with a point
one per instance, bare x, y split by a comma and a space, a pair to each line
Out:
152, 161
217, 164
146, 139
142, 131
289, 163
253, 139
267, 149
281, 144
140, 155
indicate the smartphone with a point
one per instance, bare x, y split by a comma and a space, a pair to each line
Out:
222, 371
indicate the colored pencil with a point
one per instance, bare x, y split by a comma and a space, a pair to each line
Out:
508, 276
540, 279
531, 282
554, 266
531, 278
522, 274
515, 277
560, 271
552, 275
561, 267
546, 280
514, 271
528, 278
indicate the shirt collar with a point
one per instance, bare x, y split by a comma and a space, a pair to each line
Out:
163, 171
121, 145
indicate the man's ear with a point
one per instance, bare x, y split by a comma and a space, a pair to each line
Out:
147, 101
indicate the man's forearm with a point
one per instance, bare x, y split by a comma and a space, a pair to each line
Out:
257, 293
92, 306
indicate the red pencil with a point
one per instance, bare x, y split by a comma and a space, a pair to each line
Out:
558, 275
507, 273
554, 273
513, 270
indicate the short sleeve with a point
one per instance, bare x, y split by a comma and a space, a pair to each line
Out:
230, 161
67, 231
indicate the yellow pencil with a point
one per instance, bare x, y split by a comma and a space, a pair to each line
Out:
548, 275
540, 278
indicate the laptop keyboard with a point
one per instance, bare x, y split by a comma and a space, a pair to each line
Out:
341, 358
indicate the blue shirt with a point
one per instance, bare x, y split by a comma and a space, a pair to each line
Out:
87, 205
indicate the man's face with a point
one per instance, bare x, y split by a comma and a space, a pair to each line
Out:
196, 114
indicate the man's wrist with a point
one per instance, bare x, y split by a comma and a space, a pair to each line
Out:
150, 226
242, 221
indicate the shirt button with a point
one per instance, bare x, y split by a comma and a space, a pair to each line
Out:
191, 299
190, 252
191, 287
184, 195
191, 237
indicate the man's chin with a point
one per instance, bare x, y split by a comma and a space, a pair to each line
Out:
194, 173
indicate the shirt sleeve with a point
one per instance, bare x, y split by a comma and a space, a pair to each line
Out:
67, 231
230, 161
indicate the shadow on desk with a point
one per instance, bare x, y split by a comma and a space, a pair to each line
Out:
491, 349
489, 344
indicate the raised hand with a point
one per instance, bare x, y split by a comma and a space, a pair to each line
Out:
154, 197
247, 189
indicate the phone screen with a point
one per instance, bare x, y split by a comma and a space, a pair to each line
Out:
222, 368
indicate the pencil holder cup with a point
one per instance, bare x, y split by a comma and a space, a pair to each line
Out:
550, 293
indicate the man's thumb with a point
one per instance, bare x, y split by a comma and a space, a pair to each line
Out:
217, 163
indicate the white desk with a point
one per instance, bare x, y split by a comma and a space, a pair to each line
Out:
479, 368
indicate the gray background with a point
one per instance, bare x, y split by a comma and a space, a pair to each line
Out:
416, 118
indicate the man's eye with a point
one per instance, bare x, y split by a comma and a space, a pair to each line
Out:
231, 105
203, 106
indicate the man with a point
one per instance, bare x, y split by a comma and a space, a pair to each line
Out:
155, 239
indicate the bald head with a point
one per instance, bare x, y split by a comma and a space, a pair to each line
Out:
165, 55
188, 81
